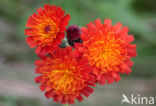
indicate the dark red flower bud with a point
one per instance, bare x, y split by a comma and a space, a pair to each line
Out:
73, 34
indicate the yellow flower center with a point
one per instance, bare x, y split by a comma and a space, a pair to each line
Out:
106, 53
65, 78
47, 29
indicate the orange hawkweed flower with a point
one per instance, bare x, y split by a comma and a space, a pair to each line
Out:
108, 49
46, 28
63, 77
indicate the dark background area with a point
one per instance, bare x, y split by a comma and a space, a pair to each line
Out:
17, 87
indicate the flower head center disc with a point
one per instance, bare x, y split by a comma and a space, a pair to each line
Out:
65, 78
48, 29
106, 54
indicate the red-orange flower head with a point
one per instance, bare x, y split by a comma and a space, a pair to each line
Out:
63, 77
108, 49
46, 28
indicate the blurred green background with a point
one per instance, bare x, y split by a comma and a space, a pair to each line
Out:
17, 87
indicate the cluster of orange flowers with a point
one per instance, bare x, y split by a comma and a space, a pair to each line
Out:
98, 54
